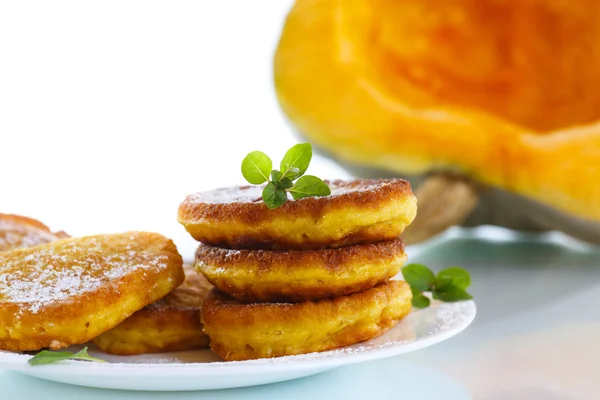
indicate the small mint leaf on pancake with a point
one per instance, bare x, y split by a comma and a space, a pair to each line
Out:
256, 167
296, 161
276, 176
285, 183
273, 196
308, 186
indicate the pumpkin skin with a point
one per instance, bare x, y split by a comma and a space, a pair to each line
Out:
505, 92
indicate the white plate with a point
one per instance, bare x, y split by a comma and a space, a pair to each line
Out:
202, 370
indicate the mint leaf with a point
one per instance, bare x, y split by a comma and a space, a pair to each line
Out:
419, 277
451, 293
420, 301
455, 276
279, 181
49, 357
276, 176
296, 161
449, 286
308, 186
285, 183
256, 167
273, 196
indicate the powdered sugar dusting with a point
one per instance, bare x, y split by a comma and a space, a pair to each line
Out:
43, 275
14, 235
253, 194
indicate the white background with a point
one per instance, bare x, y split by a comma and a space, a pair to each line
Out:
111, 112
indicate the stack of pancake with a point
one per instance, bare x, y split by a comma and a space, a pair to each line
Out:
312, 275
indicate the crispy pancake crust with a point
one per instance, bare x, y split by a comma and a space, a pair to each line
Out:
299, 275
262, 330
170, 324
357, 211
19, 232
70, 291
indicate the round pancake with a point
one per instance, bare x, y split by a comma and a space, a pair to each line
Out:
19, 232
70, 291
240, 331
170, 324
358, 211
299, 275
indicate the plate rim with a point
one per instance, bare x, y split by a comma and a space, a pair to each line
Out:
330, 358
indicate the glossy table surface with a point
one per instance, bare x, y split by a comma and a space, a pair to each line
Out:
535, 335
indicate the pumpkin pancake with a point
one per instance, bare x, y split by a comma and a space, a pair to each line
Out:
70, 291
170, 324
18, 232
357, 211
262, 330
299, 275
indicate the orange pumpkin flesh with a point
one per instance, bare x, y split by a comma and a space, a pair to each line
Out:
506, 92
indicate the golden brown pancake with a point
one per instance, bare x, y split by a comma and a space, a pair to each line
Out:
170, 324
357, 211
262, 330
68, 292
18, 232
299, 275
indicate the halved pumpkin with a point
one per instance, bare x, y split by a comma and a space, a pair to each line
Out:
504, 92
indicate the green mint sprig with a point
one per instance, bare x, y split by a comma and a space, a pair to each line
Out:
449, 285
49, 357
257, 169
